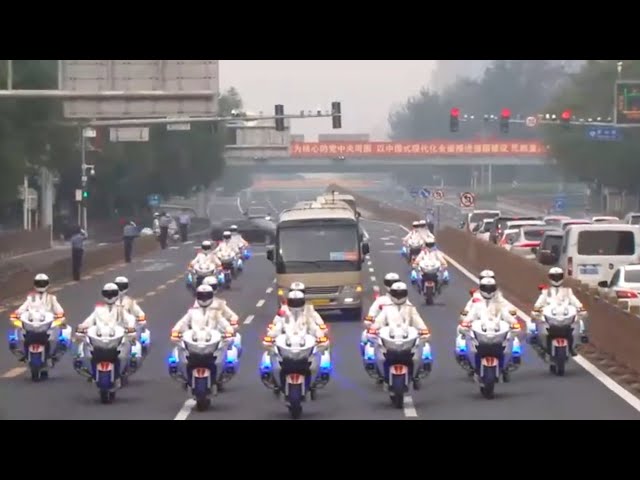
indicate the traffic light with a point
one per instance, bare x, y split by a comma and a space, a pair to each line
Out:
85, 194
279, 121
454, 120
565, 118
336, 115
505, 117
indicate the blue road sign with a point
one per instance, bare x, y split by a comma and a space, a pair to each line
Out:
424, 193
559, 204
414, 191
606, 134
154, 200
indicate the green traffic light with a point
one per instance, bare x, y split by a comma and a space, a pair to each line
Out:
85, 194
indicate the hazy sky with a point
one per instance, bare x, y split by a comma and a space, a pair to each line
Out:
367, 89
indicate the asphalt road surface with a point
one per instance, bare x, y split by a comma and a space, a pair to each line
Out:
158, 280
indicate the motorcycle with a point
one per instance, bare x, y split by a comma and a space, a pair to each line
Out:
431, 284
206, 356
413, 250
560, 320
395, 349
105, 345
229, 269
197, 274
491, 342
40, 350
293, 353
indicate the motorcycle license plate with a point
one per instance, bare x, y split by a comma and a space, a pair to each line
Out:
105, 366
399, 369
560, 342
295, 379
201, 372
430, 284
490, 361
36, 348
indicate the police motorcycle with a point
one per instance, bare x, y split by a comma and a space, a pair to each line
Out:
197, 273
395, 347
429, 279
204, 355
286, 367
490, 351
561, 323
106, 347
45, 339
229, 270
412, 249
243, 256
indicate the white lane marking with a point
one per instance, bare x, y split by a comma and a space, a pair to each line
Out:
188, 242
274, 280
260, 303
269, 290
14, 372
602, 377
373, 279
249, 319
409, 408
384, 239
386, 230
174, 247
102, 244
185, 411
365, 234
389, 243
371, 270
239, 206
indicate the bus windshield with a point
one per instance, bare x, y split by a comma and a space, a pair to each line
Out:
318, 248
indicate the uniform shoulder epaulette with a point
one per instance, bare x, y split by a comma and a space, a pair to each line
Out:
280, 313
100, 304
476, 300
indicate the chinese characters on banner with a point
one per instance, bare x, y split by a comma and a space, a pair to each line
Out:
355, 149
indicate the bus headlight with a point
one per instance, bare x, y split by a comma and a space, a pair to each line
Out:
352, 289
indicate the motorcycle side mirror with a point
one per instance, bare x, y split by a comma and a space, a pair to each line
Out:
603, 284
365, 248
462, 224
270, 254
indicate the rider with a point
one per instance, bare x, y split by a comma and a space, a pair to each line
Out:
202, 315
218, 303
402, 311
309, 308
556, 292
431, 254
377, 306
131, 306
206, 254
237, 239
40, 298
226, 248
414, 237
109, 314
424, 231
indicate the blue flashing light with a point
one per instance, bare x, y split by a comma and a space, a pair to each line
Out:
516, 350
240, 262
232, 356
414, 275
325, 363
172, 360
144, 338
265, 364
13, 337
221, 278
369, 353
445, 275
247, 254
426, 355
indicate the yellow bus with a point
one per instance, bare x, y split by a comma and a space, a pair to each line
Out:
321, 245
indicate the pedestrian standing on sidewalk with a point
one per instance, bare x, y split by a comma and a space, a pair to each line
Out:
129, 234
77, 252
165, 223
184, 220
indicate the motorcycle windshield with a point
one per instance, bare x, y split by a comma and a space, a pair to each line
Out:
559, 321
105, 343
295, 353
399, 344
202, 348
490, 337
36, 327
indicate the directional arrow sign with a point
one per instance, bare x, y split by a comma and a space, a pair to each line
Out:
424, 193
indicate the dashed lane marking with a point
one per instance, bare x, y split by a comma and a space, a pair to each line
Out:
409, 408
269, 290
249, 319
260, 303
371, 270
185, 411
150, 294
161, 287
373, 279
14, 372
389, 243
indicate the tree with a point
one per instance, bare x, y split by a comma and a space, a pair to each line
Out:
31, 135
589, 94
523, 86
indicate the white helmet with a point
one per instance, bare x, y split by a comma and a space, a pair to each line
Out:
110, 293
296, 300
486, 274
399, 293
423, 223
416, 224
212, 281
488, 288
233, 229
556, 276
299, 286
41, 282
206, 245
226, 235
204, 295
390, 279
122, 284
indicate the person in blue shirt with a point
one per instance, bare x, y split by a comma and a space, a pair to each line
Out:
77, 252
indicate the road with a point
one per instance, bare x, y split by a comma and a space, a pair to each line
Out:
151, 394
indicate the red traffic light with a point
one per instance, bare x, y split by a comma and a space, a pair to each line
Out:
506, 113
455, 112
566, 115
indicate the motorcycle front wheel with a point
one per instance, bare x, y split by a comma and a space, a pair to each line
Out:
107, 396
295, 401
488, 380
397, 389
428, 295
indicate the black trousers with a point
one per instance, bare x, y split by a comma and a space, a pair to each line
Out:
164, 236
184, 231
128, 248
76, 262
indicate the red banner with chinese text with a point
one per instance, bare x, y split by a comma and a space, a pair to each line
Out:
433, 148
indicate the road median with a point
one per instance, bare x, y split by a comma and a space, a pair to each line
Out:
614, 332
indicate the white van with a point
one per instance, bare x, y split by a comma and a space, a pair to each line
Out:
591, 253
477, 216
